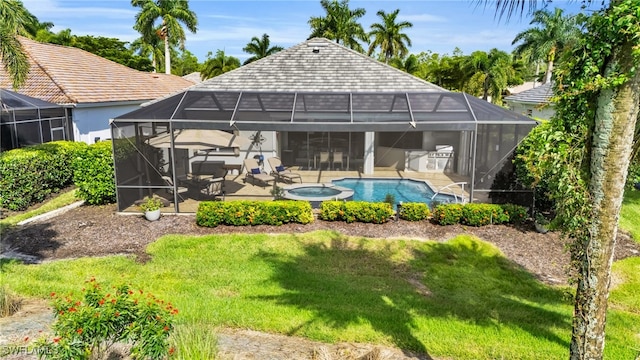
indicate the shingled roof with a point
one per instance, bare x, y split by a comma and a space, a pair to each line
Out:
317, 65
538, 95
67, 75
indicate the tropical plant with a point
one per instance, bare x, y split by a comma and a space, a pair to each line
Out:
218, 65
586, 157
555, 34
495, 69
172, 14
410, 64
151, 204
149, 47
388, 36
14, 18
260, 48
340, 23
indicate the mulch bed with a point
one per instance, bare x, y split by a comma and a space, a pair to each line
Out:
100, 231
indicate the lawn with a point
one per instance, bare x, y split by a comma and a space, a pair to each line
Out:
461, 299
630, 213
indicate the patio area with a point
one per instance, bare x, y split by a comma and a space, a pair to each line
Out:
237, 189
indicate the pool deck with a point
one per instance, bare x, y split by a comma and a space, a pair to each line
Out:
236, 189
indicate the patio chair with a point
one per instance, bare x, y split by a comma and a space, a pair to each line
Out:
213, 187
278, 170
254, 172
337, 159
324, 158
180, 189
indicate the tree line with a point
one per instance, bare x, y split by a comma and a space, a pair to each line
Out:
161, 44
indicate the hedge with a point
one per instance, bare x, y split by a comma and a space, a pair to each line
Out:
414, 211
28, 175
351, 211
479, 214
94, 174
245, 212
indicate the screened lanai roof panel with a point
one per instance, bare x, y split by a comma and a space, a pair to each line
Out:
162, 110
380, 102
484, 111
10, 100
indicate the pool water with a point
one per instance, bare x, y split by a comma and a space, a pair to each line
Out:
315, 191
405, 190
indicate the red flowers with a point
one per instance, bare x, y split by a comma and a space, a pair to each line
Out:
79, 331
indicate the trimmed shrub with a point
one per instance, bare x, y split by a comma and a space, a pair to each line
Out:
414, 211
352, 211
94, 174
483, 214
517, 214
242, 213
447, 214
28, 175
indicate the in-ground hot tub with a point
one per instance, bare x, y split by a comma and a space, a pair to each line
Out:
317, 193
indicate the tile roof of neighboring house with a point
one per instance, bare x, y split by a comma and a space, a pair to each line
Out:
67, 75
523, 87
317, 65
193, 77
537, 95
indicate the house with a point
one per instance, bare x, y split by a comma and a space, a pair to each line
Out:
94, 89
30, 121
318, 106
534, 103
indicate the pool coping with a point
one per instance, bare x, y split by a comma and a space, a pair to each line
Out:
345, 193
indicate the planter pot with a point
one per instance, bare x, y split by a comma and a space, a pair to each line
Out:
542, 229
152, 215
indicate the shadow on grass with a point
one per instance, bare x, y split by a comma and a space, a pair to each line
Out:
346, 283
32, 240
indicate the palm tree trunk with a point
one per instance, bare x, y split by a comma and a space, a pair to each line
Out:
547, 74
612, 144
167, 55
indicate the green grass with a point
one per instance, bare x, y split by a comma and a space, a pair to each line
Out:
461, 299
57, 202
630, 213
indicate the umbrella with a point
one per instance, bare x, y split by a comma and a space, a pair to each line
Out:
199, 139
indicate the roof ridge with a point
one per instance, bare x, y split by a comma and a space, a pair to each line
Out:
372, 60
44, 69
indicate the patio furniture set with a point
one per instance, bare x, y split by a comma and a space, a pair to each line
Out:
278, 172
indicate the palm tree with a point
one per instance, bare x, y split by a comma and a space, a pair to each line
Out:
218, 65
495, 68
172, 13
607, 150
555, 34
388, 36
339, 24
260, 48
14, 20
149, 47
409, 65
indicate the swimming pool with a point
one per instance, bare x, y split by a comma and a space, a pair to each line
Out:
405, 190
317, 193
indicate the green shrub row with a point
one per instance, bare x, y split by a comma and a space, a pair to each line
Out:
478, 214
414, 211
94, 174
28, 175
352, 211
244, 212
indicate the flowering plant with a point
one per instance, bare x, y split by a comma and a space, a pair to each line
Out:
88, 325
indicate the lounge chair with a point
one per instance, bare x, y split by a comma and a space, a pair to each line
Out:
324, 158
278, 170
254, 172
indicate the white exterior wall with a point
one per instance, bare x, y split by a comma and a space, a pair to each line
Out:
532, 110
91, 121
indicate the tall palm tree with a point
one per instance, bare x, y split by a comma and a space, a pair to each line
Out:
218, 65
260, 48
172, 14
554, 33
339, 24
388, 36
14, 20
607, 150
